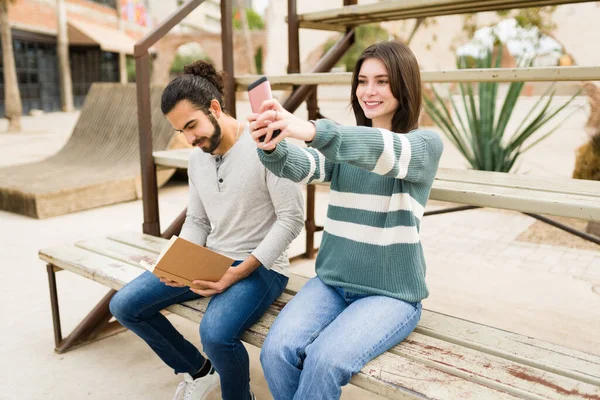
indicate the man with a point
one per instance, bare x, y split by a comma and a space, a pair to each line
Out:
237, 208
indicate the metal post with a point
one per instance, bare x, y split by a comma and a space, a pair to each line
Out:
227, 51
151, 224
54, 305
293, 39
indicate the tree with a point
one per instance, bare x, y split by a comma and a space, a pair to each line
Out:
13, 107
365, 36
64, 67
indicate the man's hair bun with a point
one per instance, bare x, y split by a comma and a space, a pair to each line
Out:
207, 71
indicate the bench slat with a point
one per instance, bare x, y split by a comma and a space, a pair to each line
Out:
118, 251
506, 375
579, 187
565, 205
109, 272
140, 240
512, 346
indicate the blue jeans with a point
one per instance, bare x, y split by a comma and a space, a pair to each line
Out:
324, 335
137, 307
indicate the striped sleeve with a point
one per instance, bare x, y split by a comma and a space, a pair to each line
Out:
304, 165
413, 156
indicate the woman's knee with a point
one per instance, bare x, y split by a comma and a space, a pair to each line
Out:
280, 347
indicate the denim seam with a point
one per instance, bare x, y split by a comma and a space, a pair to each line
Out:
315, 335
363, 358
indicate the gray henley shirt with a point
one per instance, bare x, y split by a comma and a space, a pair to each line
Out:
237, 207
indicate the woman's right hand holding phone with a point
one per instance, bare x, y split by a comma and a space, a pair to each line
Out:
271, 117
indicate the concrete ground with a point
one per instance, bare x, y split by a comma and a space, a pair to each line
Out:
477, 270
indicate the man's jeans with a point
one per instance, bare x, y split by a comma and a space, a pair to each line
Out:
324, 335
137, 307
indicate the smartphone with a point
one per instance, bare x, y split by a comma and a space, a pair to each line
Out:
258, 92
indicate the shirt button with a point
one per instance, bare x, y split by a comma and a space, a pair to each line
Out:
218, 159
220, 180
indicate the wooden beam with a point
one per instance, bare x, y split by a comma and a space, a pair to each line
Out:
543, 74
396, 10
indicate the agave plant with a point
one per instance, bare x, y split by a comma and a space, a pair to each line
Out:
479, 133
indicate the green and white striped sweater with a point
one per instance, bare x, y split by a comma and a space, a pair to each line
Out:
380, 183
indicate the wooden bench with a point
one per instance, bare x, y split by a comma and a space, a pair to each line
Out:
445, 358
574, 198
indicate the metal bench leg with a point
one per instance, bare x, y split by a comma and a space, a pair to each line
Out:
93, 327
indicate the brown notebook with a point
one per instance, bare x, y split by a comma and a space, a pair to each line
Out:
183, 262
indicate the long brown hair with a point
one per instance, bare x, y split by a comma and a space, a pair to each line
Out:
405, 83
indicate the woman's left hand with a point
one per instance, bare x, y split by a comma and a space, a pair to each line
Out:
273, 116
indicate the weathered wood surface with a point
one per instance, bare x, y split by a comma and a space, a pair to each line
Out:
573, 198
534, 74
352, 15
444, 358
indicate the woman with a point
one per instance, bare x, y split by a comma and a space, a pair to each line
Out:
370, 268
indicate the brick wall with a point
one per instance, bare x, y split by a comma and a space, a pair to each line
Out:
40, 16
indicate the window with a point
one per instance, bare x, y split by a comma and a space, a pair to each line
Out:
107, 3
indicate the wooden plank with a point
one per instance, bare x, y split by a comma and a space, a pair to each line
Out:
525, 182
397, 10
109, 272
565, 205
511, 346
172, 158
538, 74
117, 251
505, 375
140, 240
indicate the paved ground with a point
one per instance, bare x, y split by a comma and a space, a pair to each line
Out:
476, 270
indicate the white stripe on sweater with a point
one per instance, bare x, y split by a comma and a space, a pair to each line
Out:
312, 168
321, 167
372, 235
376, 203
405, 155
387, 159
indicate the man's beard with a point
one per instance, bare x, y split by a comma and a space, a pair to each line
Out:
215, 139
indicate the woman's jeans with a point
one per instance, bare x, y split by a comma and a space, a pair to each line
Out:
324, 335
137, 307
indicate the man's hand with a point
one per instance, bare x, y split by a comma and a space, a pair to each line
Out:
232, 276
208, 288
171, 283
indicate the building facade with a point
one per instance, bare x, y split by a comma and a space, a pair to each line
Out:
96, 37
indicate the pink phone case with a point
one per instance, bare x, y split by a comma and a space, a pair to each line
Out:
258, 92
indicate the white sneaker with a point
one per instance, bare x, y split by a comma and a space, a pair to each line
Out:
197, 389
